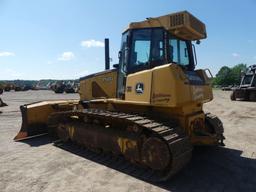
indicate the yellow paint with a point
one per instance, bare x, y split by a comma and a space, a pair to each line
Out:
71, 131
39, 112
125, 144
107, 80
145, 78
167, 86
182, 24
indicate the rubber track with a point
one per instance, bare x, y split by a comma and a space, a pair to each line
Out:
179, 144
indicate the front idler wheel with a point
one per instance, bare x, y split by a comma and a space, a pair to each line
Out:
156, 154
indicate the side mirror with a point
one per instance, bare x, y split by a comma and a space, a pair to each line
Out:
116, 66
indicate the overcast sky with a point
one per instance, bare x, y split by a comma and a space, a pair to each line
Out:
60, 39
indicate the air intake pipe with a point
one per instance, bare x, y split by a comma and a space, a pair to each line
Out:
107, 60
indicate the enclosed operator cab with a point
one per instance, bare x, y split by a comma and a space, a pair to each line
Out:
249, 78
153, 53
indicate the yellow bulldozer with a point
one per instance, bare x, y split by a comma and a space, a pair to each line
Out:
148, 108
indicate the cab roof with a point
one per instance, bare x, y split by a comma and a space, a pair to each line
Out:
182, 24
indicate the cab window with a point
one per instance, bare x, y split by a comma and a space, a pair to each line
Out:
178, 51
140, 49
147, 49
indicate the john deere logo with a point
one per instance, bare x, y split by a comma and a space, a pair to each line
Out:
139, 88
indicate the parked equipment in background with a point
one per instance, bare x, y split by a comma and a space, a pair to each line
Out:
65, 86
8, 87
59, 87
227, 88
17, 88
27, 87
72, 87
148, 109
247, 89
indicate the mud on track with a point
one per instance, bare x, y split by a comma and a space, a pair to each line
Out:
38, 165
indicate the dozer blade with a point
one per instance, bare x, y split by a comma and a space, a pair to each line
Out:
35, 116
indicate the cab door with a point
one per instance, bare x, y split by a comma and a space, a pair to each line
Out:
123, 62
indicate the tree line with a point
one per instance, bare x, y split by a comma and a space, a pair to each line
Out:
229, 76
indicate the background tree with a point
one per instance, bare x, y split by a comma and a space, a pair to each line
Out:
236, 73
229, 76
223, 76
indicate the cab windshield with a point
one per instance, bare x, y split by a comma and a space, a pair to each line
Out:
147, 48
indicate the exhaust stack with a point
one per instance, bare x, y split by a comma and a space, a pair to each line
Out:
107, 60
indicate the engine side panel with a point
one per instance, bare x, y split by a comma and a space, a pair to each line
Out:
138, 86
100, 85
168, 86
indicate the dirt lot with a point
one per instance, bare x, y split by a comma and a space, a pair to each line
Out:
38, 165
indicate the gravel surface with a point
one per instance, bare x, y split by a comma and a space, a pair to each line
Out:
38, 165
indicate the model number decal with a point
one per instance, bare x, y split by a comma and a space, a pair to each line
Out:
107, 79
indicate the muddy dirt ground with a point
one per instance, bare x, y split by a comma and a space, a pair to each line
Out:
38, 165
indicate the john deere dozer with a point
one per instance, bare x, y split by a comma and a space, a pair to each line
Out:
149, 108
